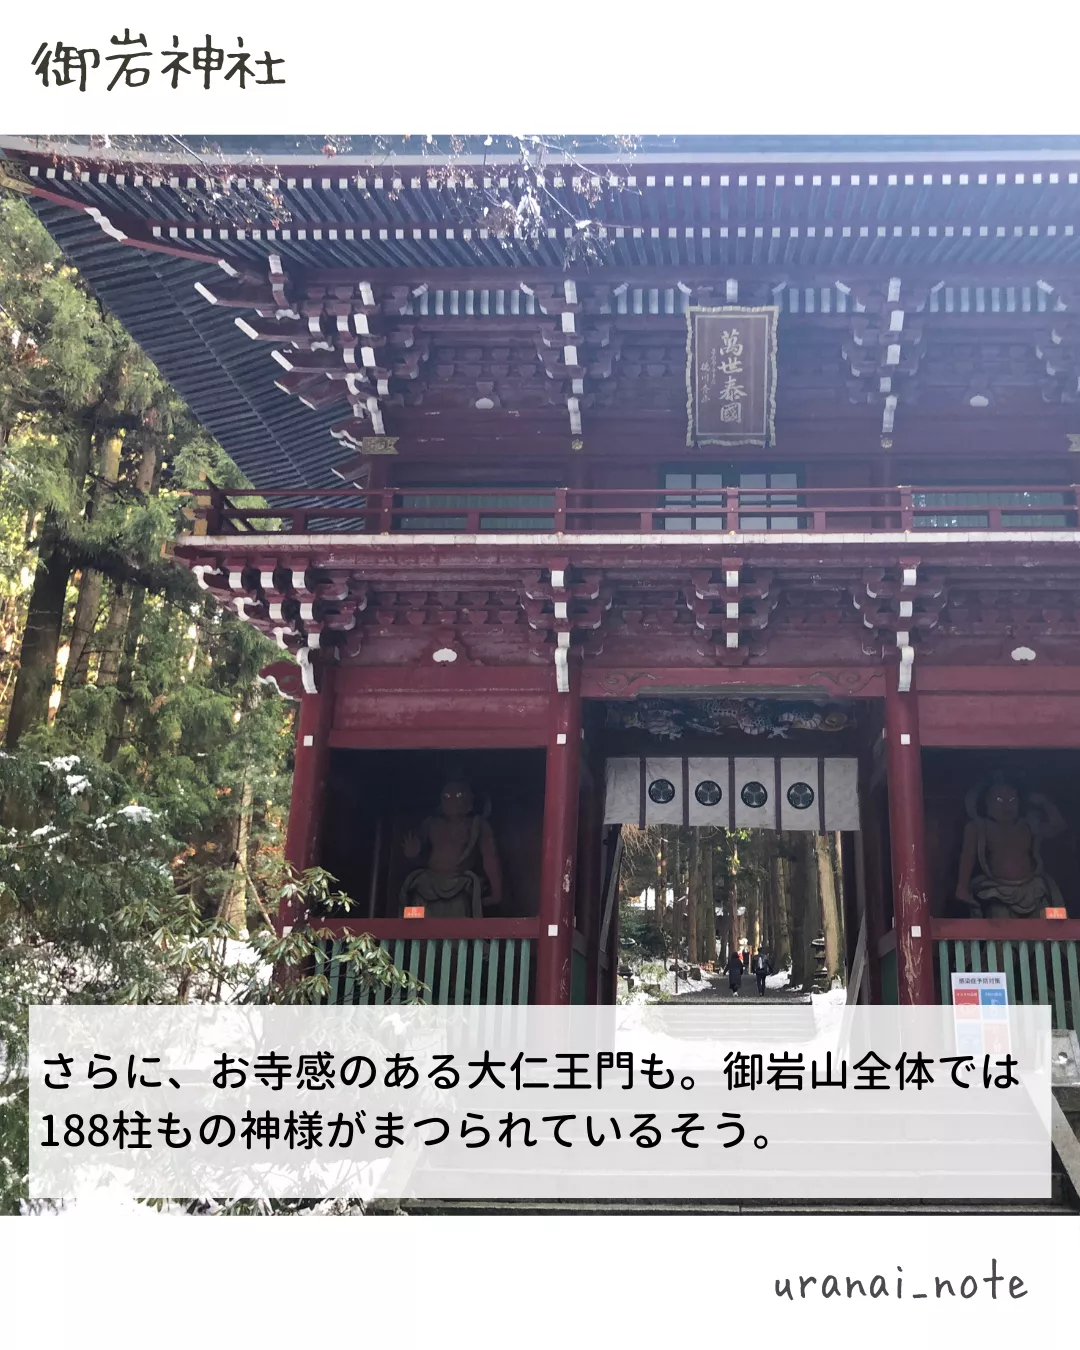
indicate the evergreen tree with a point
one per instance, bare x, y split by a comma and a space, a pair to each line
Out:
146, 775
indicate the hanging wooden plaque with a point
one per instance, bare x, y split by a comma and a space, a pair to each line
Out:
731, 375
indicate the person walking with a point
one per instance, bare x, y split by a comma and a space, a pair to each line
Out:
762, 969
734, 973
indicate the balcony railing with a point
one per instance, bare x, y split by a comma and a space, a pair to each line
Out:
1039, 958
833, 510
454, 961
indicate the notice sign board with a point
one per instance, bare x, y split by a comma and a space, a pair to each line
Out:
981, 1013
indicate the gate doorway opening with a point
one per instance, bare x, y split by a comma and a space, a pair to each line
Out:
740, 828
692, 897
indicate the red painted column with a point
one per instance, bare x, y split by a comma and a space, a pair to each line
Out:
868, 845
555, 944
378, 478
903, 763
303, 833
590, 877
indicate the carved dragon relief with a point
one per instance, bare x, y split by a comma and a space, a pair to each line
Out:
774, 718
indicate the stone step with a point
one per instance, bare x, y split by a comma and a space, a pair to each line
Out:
642, 1207
1062, 1200
1066, 1152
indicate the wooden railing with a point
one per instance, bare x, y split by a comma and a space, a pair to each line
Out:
635, 511
456, 961
858, 971
1039, 958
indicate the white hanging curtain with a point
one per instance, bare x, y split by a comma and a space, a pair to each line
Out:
782, 793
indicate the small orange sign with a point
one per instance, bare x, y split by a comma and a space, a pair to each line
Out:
1055, 913
414, 911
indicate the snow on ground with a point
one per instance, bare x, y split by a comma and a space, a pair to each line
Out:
836, 997
685, 985
830, 1013
107, 1203
655, 976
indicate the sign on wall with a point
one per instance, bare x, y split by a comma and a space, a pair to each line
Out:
768, 793
731, 375
981, 1012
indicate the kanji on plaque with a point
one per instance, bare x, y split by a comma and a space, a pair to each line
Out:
731, 375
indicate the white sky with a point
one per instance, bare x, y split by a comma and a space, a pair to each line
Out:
682, 66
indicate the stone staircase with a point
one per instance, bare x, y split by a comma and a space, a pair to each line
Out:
1066, 1122
1065, 1175
642, 1207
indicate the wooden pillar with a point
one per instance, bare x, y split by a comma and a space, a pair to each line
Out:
882, 471
590, 874
911, 908
578, 480
869, 847
577, 473
379, 474
311, 764
558, 861
378, 478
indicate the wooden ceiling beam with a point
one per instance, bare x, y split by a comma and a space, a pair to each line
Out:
664, 278
678, 157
